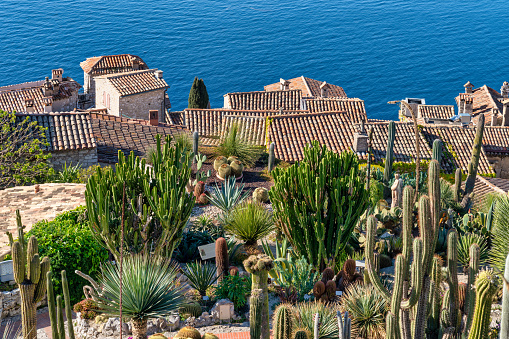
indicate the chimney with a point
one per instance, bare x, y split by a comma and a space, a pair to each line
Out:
324, 88
461, 104
284, 85
504, 90
360, 140
468, 87
153, 117
29, 105
56, 74
136, 63
159, 74
494, 117
47, 88
469, 105
505, 113
48, 104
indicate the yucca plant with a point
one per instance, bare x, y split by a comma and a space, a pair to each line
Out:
149, 290
11, 331
500, 233
249, 222
185, 141
200, 276
367, 309
69, 173
234, 144
305, 318
464, 243
228, 195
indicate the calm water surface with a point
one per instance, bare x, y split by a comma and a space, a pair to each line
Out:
375, 50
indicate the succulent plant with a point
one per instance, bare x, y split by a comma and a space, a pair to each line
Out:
220, 160
261, 195
188, 332
485, 288
222, 259
232, 158
236, 168
224, 171
283, 321
193, 309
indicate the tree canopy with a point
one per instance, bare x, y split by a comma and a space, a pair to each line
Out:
198, 96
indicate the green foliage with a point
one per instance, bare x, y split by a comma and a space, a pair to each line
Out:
296, 273
305, 318
234, 288
234, 144
200, 276
69, 173
157, 206
187, 249
500, 234
228, 196
198, 96
464, 243
318, 201
249, 222
149, 288
204, 223
22, 159
376, 191
70, 245
367, 309
447, 199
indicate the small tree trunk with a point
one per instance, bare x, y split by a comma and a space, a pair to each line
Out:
28, 311
139, 328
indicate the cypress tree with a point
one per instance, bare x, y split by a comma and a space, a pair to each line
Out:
204, 96
194, 94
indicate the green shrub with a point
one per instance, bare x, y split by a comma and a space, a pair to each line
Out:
235, 288
70, 245
305, 318
464, 243
187, 250
234, 145
298, 274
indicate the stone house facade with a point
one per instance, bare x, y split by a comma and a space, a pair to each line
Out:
132, 94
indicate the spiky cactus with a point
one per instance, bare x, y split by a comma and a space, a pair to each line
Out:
56, 314
259, 267
272, 158
222, 259
504, 323
457, 185
196, 136
29, 273
389, 156
485, 288
283, 322
437, 150
220, 160
474, 162
302, 334
473, 268
344, 326
255, 313
224, 171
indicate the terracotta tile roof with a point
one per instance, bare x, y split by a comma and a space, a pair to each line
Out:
64, 131
261, 100
175, 118
441, 112
108, 64
496, 140
458, 142
14, 100
113, 133
485, 101
309, 87
291, 133
251, 128
130, 83
209, 122
485, 186
352, 105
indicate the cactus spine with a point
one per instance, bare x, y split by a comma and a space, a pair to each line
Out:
28, 271
486, 287
255, 313
283, 322
504, 323
272, 157
457, 185
259, 267
474, 162
222, 260
389, 156
437, 150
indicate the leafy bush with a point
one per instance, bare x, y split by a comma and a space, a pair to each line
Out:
234, 145
235, 288
249, 222
70, 245
367, 309
297, 274
228, 196
200, 276
204, 223
464, 243
88, 308
305, 318
447, 196
187, 250
68, 173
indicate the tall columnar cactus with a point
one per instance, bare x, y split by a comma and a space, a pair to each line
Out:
504, 323
473, 268
272, 157
389, 155
344, 325
452, 275
283, 322
196, 136
474, 161
485, 288
222, 259
56, 314
29, 273
255, 313
457, 185
259, 267
437, 150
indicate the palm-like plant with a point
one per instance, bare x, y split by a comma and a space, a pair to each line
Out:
464, 243
305, 318
249, 222
229, 195
235, 145
149, 290
367, 309
200, 276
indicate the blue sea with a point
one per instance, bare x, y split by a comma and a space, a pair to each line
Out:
376, 50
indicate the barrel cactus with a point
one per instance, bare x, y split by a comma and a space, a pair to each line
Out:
236, 168
219, 161
188, 332
283, 322
232, 158
224, 171
261, 195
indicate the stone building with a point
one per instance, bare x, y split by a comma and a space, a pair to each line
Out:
69, 135
132, 94
107, 64
44, 96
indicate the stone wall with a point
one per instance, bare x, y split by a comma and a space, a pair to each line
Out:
137, 106
85, 157
66, 104
10, 304
103, 89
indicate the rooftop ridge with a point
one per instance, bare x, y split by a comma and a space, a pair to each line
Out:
306, 114
123, 74
277, 91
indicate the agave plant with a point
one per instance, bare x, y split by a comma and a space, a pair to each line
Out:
464, 243
200, 276
367, 309
305, 318
249, 222
228, 196
149, 290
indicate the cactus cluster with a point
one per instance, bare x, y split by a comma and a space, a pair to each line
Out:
29, 274
222, 259
199, 193
194, 309
325, 289
55, 308
348, 275
226, 167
